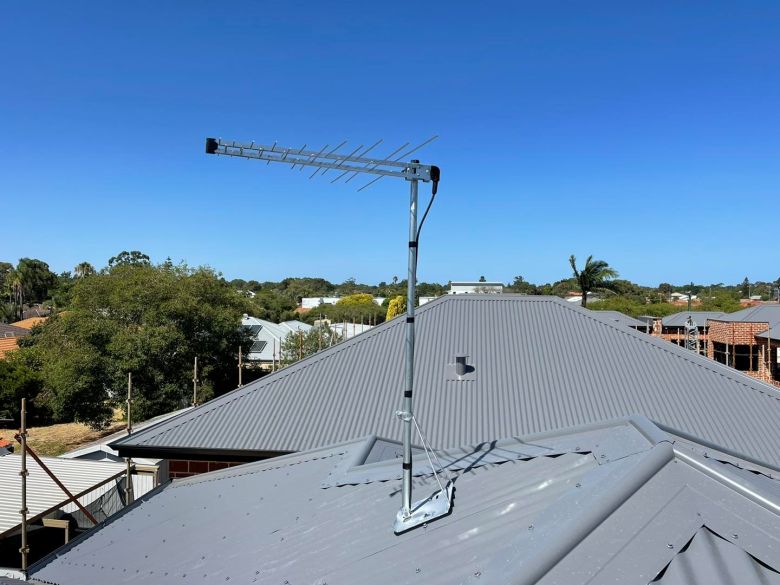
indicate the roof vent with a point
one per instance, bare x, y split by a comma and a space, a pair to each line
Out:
460, 369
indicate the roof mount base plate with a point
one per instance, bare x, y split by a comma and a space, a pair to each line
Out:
435, 506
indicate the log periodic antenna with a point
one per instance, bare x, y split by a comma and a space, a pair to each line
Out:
357, 163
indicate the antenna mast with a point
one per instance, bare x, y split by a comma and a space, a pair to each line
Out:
355, 163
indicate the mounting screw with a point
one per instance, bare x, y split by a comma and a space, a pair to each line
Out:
530, 527
735, 535
477, 573
578, 484
417, 570
670, 545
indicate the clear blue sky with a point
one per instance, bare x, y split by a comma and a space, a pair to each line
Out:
647, 134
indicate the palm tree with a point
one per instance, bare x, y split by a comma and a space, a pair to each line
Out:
596, 274
84, 269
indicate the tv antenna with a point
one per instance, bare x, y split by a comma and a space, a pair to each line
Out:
351, 165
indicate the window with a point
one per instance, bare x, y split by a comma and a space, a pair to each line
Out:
746, 358
720, 352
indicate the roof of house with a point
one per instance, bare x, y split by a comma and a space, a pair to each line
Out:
679, 319
620, 502
539, 364
12, 331
43, 495
30, 322
622, 318
268, 337
769, 313
766, 313
7, 344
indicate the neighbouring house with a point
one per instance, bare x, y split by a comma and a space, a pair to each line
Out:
349, 330
748, 341
621, 501
309, 303
535, 364
149, 472
468, 287
679, 327
9, 337
30, 322
267, 338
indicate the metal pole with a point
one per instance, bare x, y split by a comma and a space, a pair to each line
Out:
408, 405
129, 474
25, 549
240, 367
195, 383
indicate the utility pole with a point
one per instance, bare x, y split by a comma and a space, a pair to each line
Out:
25, 548
129, 474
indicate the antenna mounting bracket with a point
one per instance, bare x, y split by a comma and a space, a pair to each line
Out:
434, 506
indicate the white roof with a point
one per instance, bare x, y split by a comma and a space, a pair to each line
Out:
43, 495
268, 337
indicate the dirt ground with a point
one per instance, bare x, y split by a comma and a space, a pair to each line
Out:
58, 439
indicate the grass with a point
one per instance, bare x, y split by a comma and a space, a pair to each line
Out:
58, 439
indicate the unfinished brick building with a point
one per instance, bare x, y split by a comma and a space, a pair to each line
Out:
748, 341
675, 328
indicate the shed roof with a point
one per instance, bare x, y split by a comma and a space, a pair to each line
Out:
29, 322
613, 503
679, 319
43, 495
540, 364
269, 336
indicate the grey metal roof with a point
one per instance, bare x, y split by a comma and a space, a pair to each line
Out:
268, 337
540, 364
12, 331
769, 313
679, 319
612, 503
621, 318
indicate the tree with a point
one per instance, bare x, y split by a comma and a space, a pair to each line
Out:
482, 279
35, 279
302, 344
17, 381
149, 320
745, 289
396, 307
595, 275
83, 269
134, 258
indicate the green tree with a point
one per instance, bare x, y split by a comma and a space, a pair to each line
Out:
35, 280
302, 344
595, 275
17, 381
149, 320
134, 258
745, 289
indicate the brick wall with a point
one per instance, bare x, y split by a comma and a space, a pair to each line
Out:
178, 468
740, 333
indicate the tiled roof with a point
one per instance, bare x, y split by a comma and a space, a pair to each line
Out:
7, 344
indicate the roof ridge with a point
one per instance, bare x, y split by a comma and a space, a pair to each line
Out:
266, 381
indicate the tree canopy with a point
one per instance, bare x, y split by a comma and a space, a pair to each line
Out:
148, 320
594, 275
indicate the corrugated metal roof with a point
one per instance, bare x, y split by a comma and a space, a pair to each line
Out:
42, 493
269, 336
757, 314
613, 504
540, 364
621, 318
679, 319
712, 560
